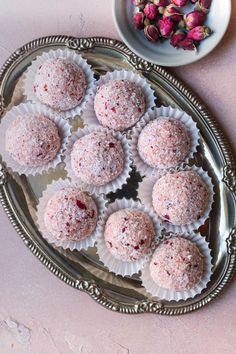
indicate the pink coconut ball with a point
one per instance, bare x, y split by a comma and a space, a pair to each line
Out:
128, 234
180, 198
119, 104
164, 142
60, 84
97, 158
177, 264
70, 215
33, 140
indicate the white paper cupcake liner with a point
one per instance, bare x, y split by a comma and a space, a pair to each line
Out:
111, 186
65, 54
117, 266
24, 110
145, 195
89, 115
157, 113
168, 294
67, 244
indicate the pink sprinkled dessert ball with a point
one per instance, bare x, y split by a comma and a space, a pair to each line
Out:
181, 197
97, 158
164, 143
128, 234
70, 215
32, 140
60, 84
177, 264
119, 104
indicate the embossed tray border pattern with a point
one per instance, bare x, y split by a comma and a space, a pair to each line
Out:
229, 178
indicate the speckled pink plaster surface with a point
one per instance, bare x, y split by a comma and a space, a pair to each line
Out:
30, 321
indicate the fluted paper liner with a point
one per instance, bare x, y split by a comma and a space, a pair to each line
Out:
24, 110
67, 244
158, 113
89, 115
117, 266
70, 55
145, 194
118, 181
168, 294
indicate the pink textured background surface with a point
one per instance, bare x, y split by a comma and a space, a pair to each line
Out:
38, 312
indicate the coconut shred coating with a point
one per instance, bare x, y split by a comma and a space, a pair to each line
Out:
128, 234
97, 158
60, 84
119, 104
177, 264
181, 197
70, 215
164, 142
32, 140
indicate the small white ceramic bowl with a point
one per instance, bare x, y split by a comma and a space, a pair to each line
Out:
163, 53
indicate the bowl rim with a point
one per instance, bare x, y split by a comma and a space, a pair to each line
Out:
161, 62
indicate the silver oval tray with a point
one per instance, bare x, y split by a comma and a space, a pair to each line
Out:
82, 270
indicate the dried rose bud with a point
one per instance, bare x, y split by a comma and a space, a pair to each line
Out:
138, 20
179, 3
194, 19
203, 5
193, 1
151, 33
187, 44
160, 2
177, 37
172, 11
151, 11
166, 26
199, 33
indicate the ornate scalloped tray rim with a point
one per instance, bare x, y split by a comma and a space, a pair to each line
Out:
89, 286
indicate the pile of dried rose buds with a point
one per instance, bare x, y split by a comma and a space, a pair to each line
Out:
164, 19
